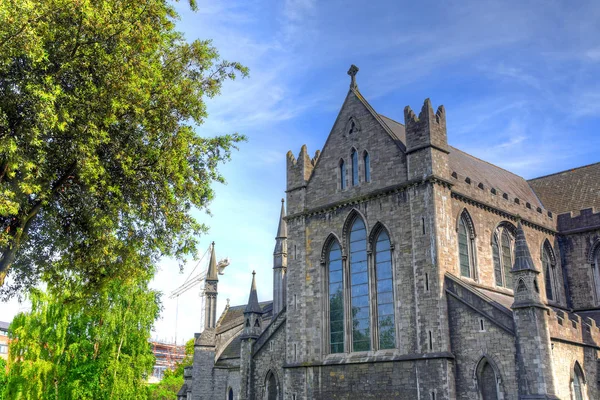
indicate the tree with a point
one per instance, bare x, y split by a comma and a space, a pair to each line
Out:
100, 350
172, 381
99, 161
3, 378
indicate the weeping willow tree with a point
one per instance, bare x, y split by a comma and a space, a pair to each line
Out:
64, 349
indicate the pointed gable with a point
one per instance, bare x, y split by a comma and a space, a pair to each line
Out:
358, 127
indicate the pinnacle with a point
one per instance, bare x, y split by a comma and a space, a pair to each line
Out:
282, 228
212, 274
523, 260
253, 306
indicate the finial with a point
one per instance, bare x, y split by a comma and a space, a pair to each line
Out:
352, 72
227, 302
213, 243
253, 272
282, 200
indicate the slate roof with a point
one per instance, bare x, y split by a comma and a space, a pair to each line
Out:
478, 170
233, 349
396, 127
4, 325
235, 315
491, 176
570, 190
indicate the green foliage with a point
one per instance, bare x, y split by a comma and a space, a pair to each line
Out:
3, 379
97, 349
172, 381
99, 161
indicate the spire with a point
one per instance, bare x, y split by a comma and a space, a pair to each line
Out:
253, 306
212, 274
523, 260
282, 228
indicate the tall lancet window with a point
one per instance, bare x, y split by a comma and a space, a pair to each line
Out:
596, 272
342, 175
336, 299
549, 278
367, 162
385, 293
354, 167
577, 383
464, 248
359, 286
507, 259
497, 264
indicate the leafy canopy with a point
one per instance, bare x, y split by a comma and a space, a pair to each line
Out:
97, 350
99, 161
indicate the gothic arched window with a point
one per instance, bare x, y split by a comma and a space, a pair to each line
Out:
342, 175
595, 257
359, 287
466, 247
367, 162
354, 156
336, 299
230, 394
578, 383
549, 272
502, 255
507, 259
385, 292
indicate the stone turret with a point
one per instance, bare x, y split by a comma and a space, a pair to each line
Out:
280, 264
426, 141
212, 280
530, 315
252, 329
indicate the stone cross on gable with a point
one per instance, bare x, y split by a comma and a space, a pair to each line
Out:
352, 72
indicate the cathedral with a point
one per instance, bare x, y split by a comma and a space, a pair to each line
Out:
405, 268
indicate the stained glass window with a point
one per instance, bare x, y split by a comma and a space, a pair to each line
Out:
548, 278
507, 259
463, 249
385, 294
497, 265
354, 168
336, 299
359, 287
342, 175
367, 160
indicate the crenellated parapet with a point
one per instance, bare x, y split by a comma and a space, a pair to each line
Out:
584, 220
426, 130
300, 169
573, 328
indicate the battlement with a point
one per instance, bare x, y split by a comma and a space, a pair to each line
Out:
426, 130
569, 326
588, 218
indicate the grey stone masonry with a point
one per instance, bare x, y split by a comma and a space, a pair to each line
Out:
405, 268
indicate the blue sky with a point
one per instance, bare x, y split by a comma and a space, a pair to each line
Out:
519, 80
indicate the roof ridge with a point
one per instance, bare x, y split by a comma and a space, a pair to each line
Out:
563, 171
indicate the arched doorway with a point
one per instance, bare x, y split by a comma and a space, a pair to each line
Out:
487, 380
272, 392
